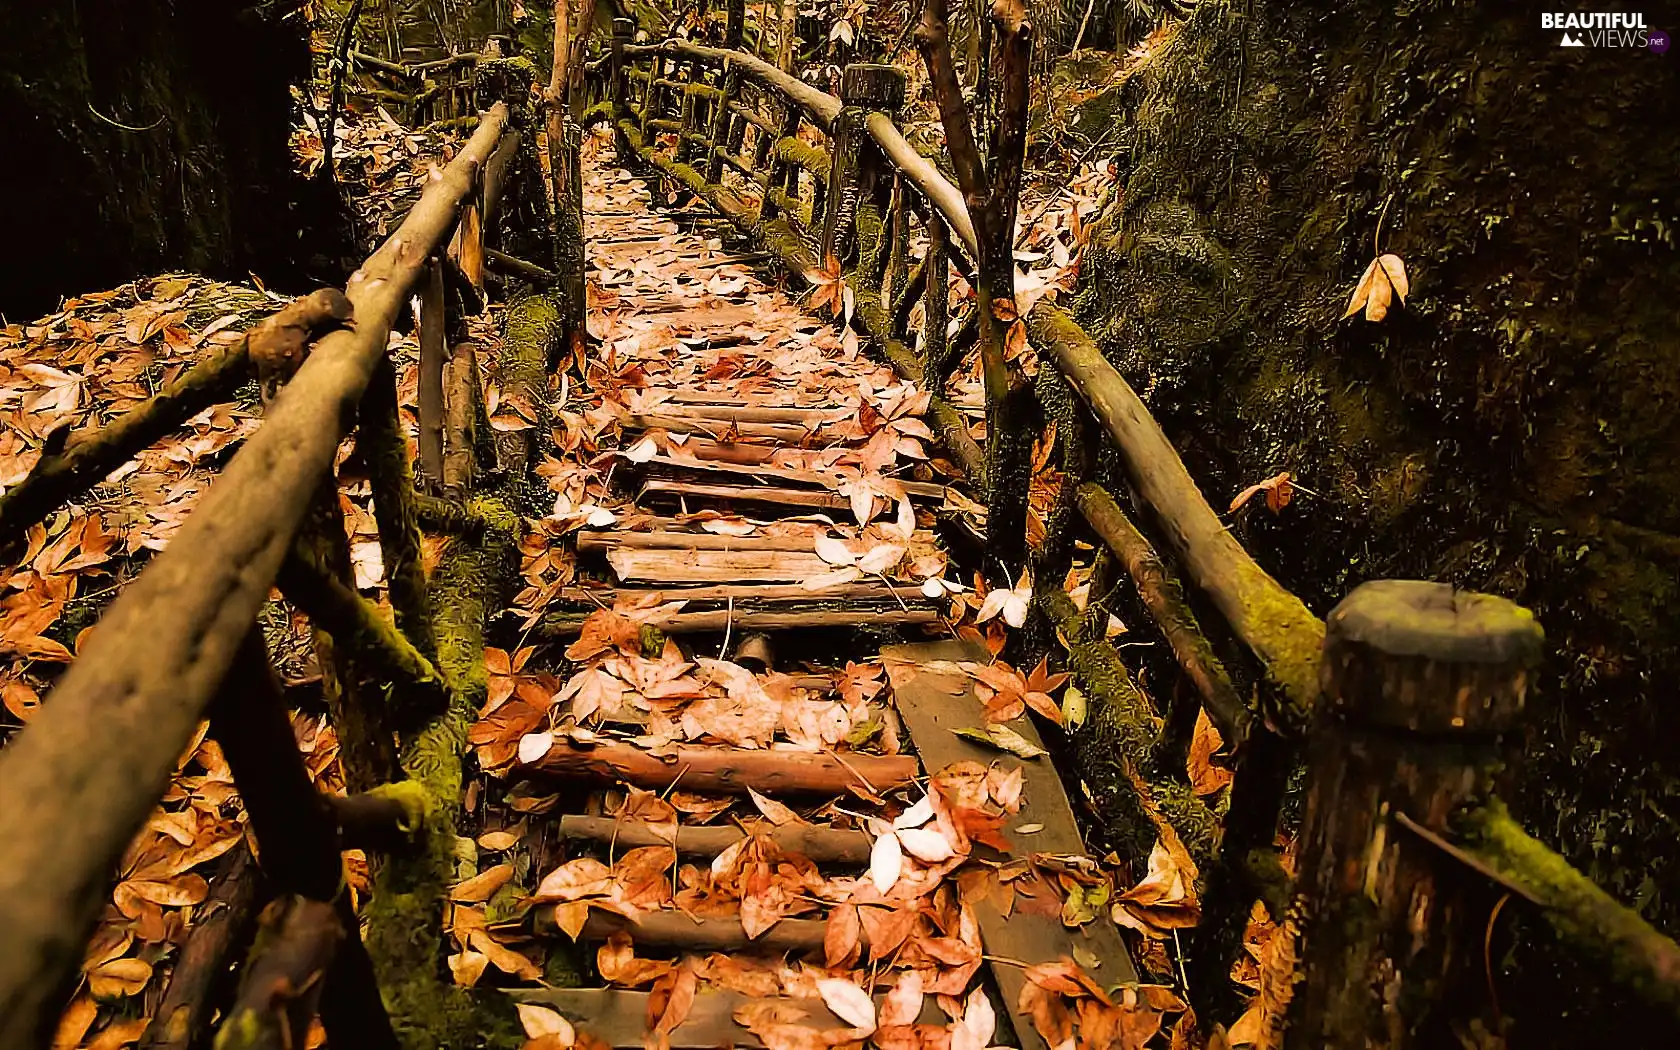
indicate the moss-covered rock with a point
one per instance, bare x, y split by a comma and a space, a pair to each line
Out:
1510, 430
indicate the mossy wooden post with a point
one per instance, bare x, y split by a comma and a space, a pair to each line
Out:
434, 351
384, 449
1420, 685
565, 144
723, 122
936, 304
855, 164
623, 31
767, 158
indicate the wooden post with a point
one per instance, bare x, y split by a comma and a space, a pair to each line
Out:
623, 31
384, 449
295, 832
1420, 685
936, 303
854, 161
990, 192
766, 157
723, 122
434, 351
285, 978
565, 140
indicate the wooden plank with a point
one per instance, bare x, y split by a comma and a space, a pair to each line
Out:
782, 497
692, 566
822, 845
714, 620
726, 770
670, 539
873, 592
787, 433
813, 478
934, 702
619, 1017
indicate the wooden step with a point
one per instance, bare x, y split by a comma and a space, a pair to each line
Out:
682, 565
671, 539
770, 595
725, 770
697, 492
562, 625
820, 844
934, 703
791, 434
619, 1018
811, 478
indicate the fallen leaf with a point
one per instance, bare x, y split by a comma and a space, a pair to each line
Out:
849, 1002
886, 862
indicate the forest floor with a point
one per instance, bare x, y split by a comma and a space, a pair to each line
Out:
741, 538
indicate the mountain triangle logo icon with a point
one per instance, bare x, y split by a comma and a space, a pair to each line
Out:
1571, 41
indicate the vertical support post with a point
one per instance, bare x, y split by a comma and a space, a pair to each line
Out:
854, 161
652, 100
774, 167
693, 76
565, 140
1421, 684
723, 122
623, 31
434, 350
295, 834
384, 449
936, 303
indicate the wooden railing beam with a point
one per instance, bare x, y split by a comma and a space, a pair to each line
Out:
99, 754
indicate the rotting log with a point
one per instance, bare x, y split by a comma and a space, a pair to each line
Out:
1159, 589
1421, 683
818, 844
727, 770
1269, 620
201, 980
356, 623
87, 457
99, 755
285, 977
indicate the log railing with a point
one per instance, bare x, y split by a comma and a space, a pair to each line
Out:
1400, 711
182, 643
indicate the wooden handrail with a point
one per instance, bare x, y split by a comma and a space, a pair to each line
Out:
99, 755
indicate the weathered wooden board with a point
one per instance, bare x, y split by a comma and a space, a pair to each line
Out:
709, 566
934, 702
619, 1018
812, 478
783, 497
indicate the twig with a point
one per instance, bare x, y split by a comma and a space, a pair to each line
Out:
126, 127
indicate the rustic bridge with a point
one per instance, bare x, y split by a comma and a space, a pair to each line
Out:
851, 823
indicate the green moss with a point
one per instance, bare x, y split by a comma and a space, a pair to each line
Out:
796, 151
405, 913
1115, 749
